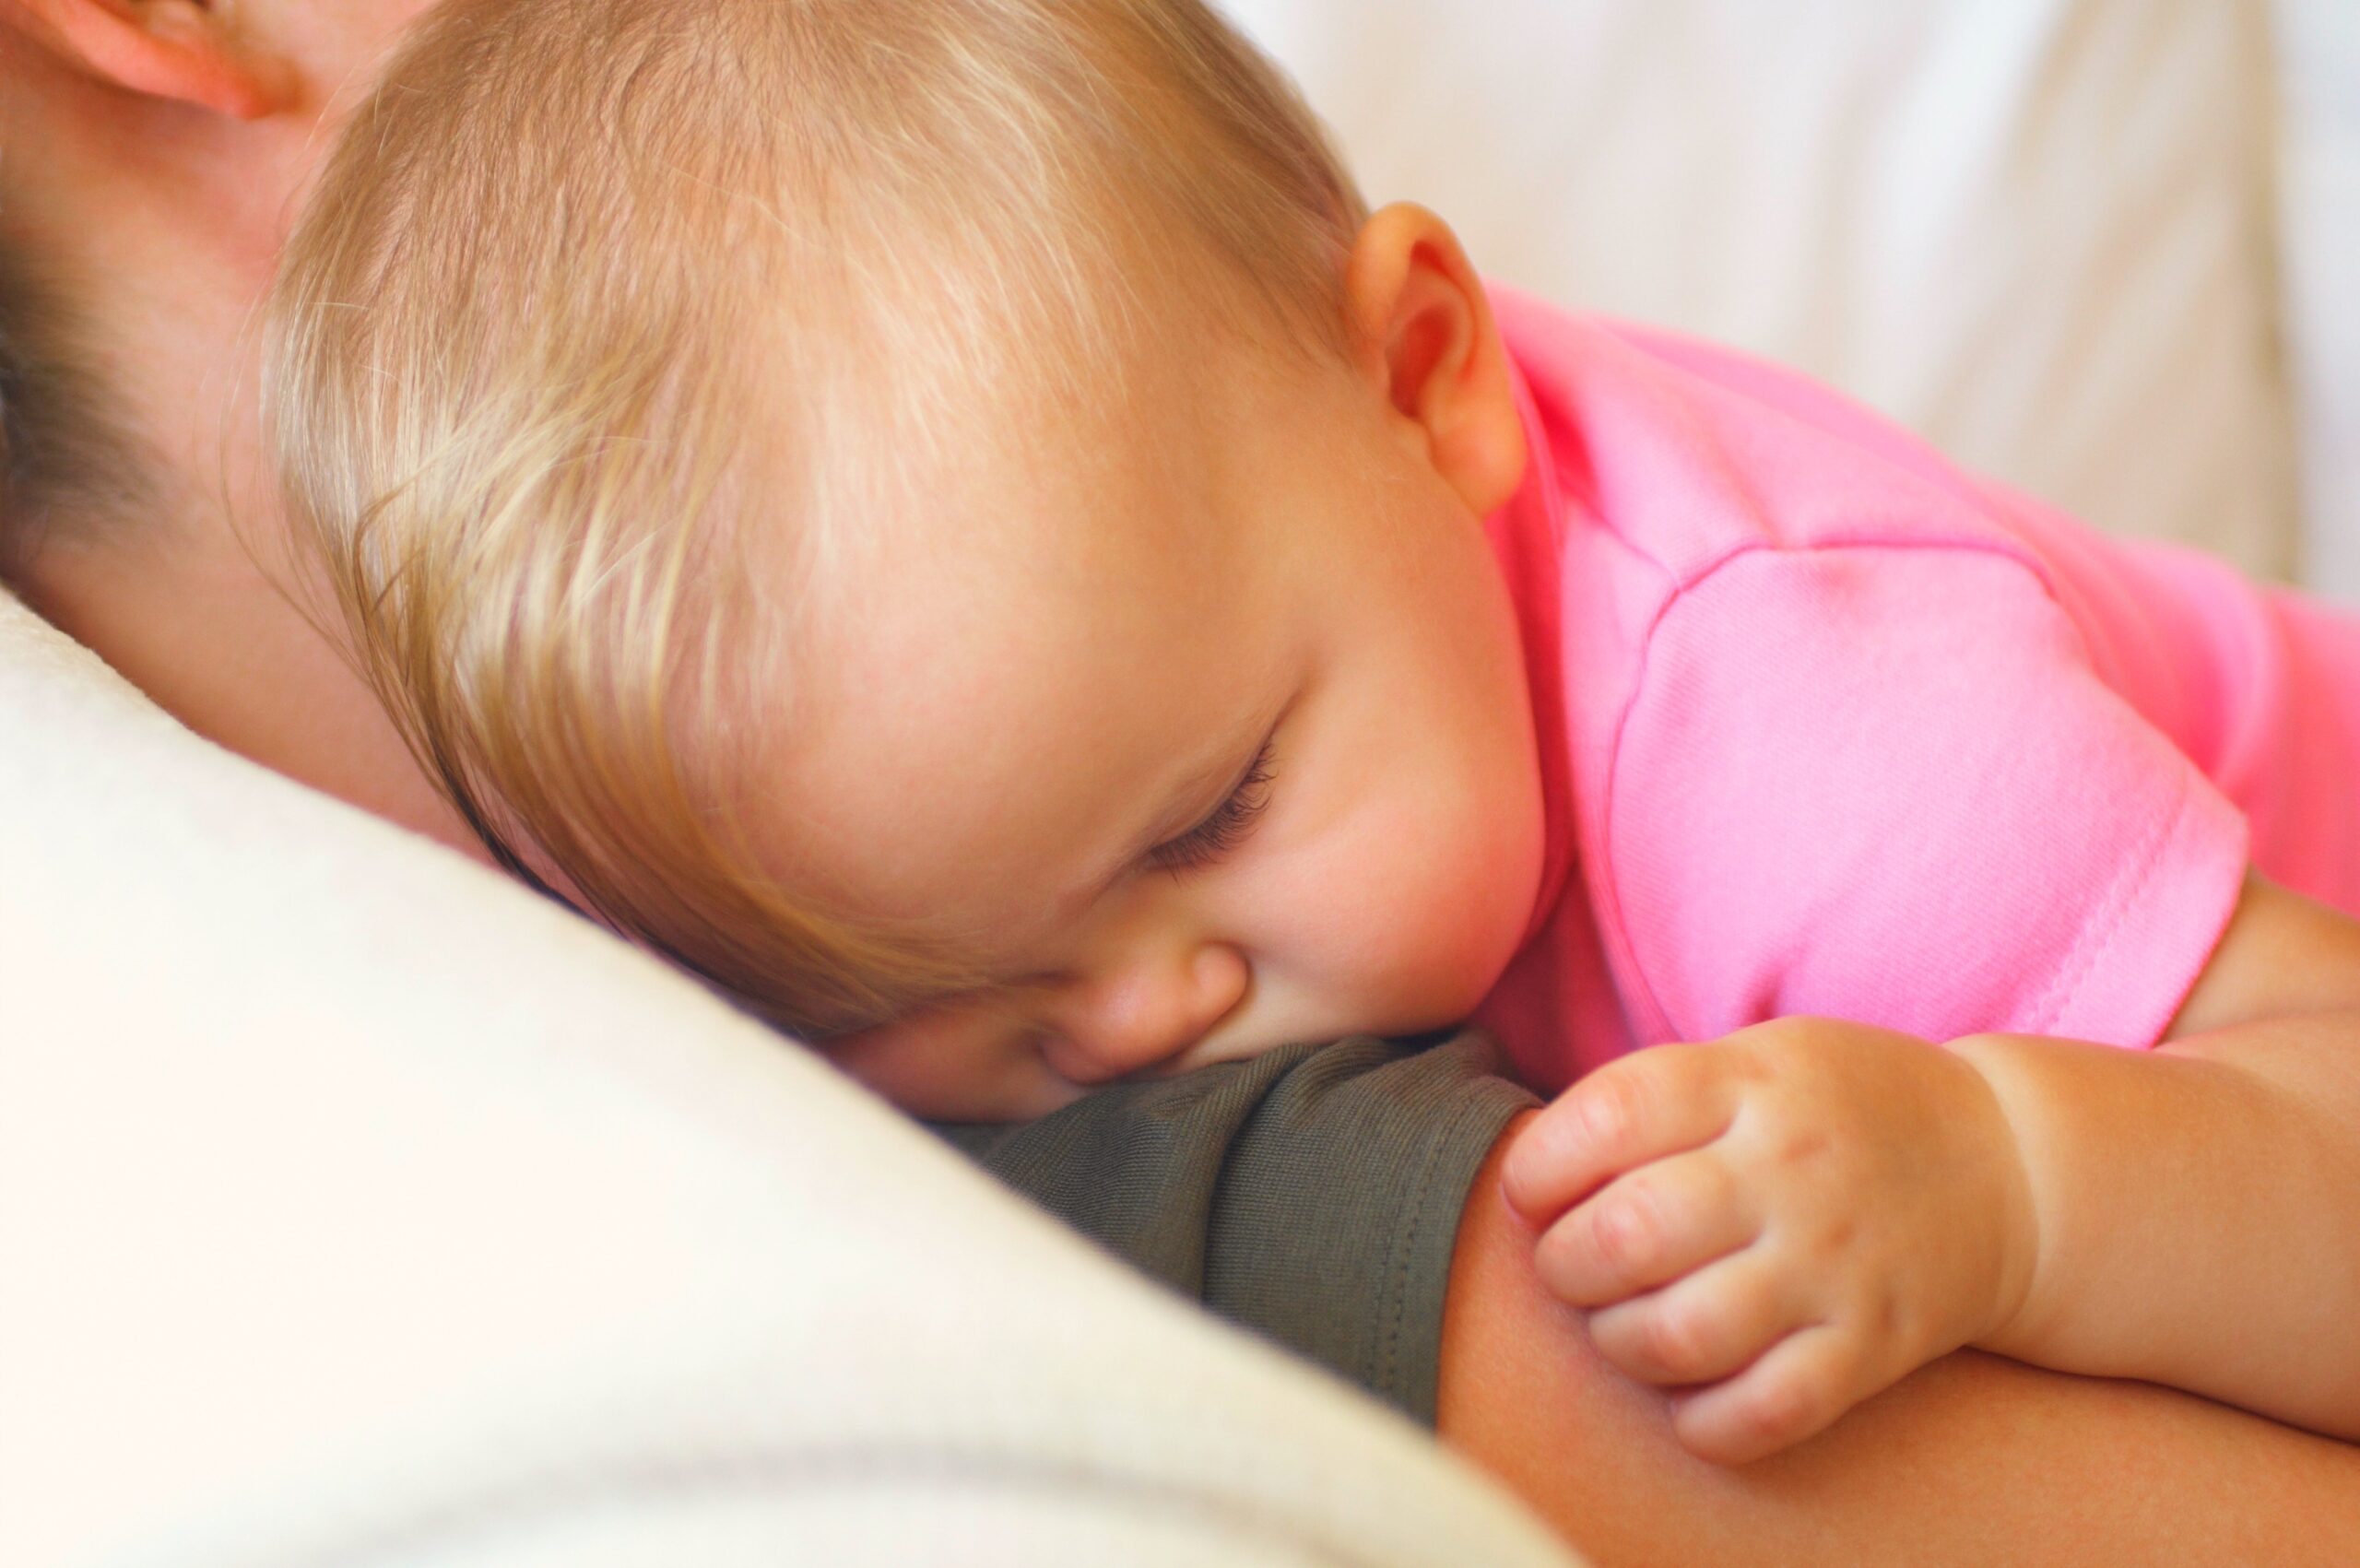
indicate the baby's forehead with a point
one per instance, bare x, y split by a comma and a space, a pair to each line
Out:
1025, 640
1001, 699
1053, 508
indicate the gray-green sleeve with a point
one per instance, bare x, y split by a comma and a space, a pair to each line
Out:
1311, 1194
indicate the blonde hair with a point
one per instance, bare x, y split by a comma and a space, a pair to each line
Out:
566, 245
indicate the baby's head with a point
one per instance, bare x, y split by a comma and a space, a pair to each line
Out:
945, 518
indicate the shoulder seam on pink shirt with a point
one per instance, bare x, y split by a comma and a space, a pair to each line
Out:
1610, 926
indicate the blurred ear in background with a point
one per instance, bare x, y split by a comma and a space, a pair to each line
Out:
2102, 250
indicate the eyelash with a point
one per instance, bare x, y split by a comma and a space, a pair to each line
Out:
1222, 831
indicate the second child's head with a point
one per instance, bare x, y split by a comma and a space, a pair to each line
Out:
945, 517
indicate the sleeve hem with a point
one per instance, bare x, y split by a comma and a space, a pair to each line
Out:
2107, 992
1417, 1280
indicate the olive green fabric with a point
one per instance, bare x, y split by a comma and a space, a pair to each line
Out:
1311, 1194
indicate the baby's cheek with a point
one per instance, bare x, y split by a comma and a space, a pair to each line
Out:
1419, 929
1466, 940
1482, 881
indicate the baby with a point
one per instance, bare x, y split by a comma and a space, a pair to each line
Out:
953, 522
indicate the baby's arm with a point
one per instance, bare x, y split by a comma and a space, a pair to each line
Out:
1785, 1220
2198, 1205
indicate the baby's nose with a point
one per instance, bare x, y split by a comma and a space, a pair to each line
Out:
1143, 1013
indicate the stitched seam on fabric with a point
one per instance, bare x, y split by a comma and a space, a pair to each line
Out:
2098, 933
1395, 1307
1612, 926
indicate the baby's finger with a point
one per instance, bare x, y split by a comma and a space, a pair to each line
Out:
1645, 1228
1701, 1328
1797, 1387
1664, 1100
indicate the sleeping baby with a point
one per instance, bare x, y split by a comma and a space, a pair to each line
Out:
953, 522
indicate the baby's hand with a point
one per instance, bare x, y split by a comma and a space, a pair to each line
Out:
1778, 1223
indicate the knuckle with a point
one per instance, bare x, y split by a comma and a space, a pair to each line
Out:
1710, 1187
1610, 1109
1749, 1064
1558, 1263
1678, 1340
1797, 1145
1842, 1235
1897, 1332
1890, 1317
1627, 1232
1782, 1409
1566, 1259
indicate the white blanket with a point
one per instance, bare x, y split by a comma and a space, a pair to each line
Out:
355, 1202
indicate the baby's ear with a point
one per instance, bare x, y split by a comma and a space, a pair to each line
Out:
1429, 343
182, 50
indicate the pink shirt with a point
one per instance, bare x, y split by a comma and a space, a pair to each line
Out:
1829, 726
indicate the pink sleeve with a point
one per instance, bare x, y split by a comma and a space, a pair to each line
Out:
1880, 781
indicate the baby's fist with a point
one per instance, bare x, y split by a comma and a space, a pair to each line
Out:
1779, 1223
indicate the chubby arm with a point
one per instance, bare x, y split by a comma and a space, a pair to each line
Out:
1971, 1459
2196, 1208
1783, 1221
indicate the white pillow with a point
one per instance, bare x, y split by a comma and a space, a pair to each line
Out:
2036, 231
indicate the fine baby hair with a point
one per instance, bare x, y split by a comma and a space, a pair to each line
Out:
603, 304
